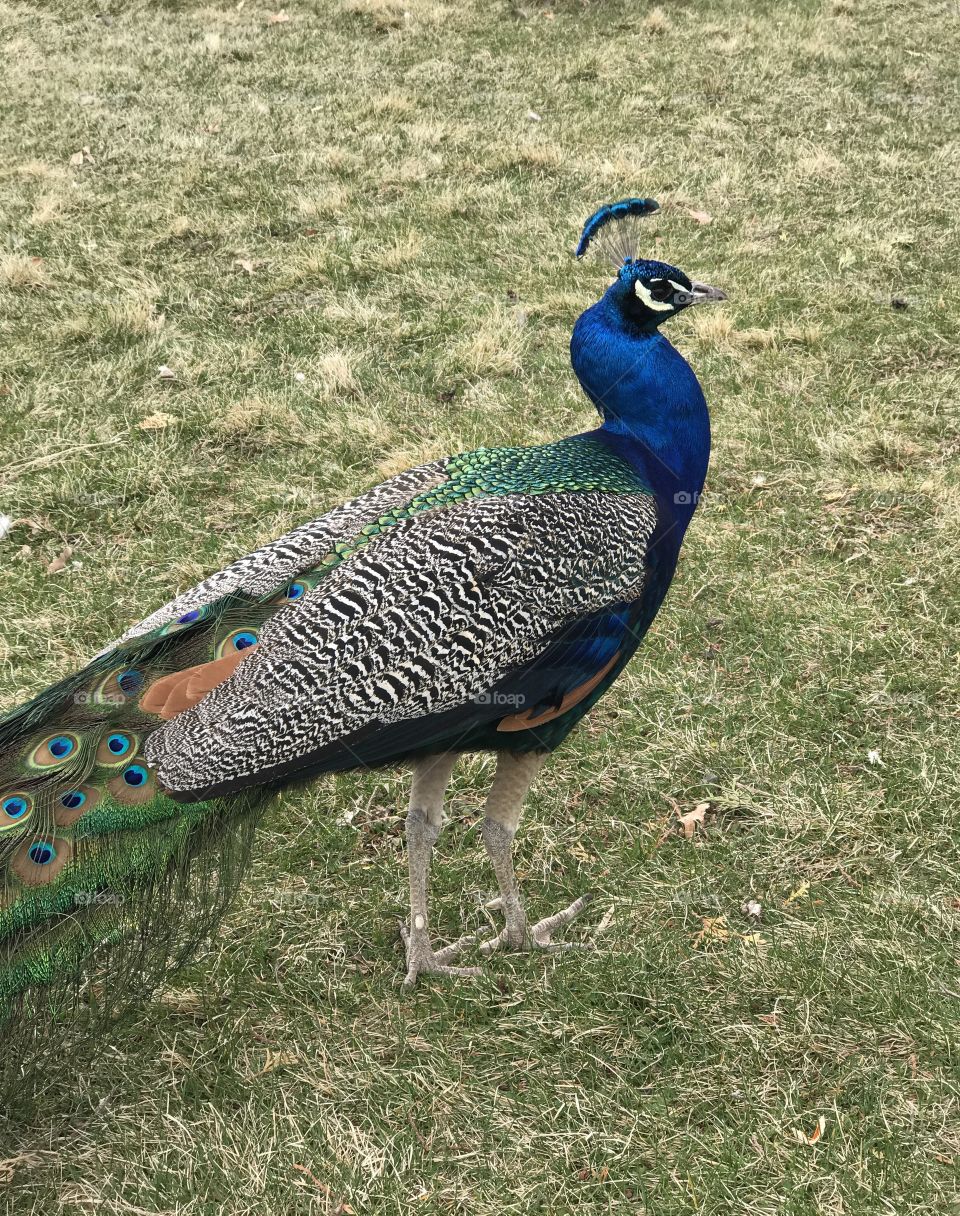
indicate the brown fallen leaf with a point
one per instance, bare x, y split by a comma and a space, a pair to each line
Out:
35, 525
278, 18
688, 822
244, 264
166, 373
277, 1059
82, 157
157, 422
714, 930
321, 1186
814, 1136
10, 1165
701, 217
60, 561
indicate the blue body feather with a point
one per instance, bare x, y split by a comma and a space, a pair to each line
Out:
653, 409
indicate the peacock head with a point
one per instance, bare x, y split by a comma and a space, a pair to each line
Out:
646, 293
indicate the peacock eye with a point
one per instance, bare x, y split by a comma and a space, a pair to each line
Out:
42, 853
293, 591
660, 289
130, 681
136, 775
236, 641
54, 750
15, 806
186, 620
117, 745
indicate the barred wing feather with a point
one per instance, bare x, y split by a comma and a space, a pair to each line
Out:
260, 572
425, 619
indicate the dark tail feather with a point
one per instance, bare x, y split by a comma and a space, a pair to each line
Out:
107, 884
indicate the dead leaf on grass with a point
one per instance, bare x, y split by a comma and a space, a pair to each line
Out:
278, 1059
717, 932
714, 930
10, 1165
688, 822
157, 422
814, 1136
61, 561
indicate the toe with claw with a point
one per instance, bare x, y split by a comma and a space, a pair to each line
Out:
517, 935
422, 959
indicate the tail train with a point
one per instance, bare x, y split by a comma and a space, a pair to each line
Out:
107, 882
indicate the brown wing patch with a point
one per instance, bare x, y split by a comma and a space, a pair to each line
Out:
574, 697
181, 690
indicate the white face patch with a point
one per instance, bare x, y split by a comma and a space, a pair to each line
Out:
643, 293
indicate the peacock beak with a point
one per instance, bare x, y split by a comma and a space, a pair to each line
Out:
703, 292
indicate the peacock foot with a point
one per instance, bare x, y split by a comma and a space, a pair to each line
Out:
517, 934
423, 959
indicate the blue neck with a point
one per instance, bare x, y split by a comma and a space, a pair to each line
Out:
654, 412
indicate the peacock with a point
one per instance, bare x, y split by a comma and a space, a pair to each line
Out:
480, 602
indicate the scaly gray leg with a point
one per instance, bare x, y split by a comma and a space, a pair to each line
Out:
424, 820
515, 774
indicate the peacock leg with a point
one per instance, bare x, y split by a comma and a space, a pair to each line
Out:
424, 820
515, 774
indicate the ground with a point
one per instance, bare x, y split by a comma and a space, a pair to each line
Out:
254, 259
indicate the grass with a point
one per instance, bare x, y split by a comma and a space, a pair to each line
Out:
347, 236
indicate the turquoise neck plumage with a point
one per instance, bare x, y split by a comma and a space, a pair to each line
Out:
653, 409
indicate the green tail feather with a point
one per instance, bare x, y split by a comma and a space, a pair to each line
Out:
106, 883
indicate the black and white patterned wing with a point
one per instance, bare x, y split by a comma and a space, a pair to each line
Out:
269, 567
427, 617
